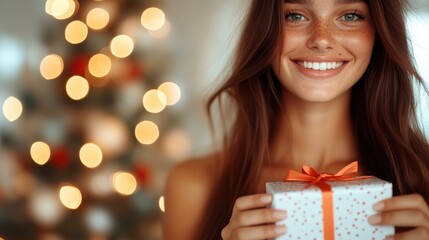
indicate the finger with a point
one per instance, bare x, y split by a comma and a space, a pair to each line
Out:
259, 232
401, 218
257, 216
414, 201
415, 234
226, 232
251, 202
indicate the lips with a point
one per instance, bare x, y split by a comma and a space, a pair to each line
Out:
320, 66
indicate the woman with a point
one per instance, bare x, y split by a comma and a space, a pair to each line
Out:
315, 82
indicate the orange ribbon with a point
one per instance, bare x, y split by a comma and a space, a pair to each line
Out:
348, 173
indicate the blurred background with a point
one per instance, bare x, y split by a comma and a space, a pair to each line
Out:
101, 98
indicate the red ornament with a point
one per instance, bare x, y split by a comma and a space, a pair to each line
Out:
142, 174
60, 158
134, 71
78, 65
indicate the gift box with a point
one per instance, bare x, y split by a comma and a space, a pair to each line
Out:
330, 206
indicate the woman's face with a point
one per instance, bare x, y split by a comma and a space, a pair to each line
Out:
326, 47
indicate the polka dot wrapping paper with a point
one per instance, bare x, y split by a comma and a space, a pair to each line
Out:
352, 205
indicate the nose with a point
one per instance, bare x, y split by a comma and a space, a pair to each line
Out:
321, 36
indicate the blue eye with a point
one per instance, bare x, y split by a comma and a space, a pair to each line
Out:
351, 17
295, 17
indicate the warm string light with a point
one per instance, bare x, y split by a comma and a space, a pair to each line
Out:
147, 132
124, 183
70, 197
154, 101
51, 66
97, 18
122, 46
61, 9
90, 155
77, 87
152, 18
171, 92
12, 108
161, 204
99, 65
76, 32
57, 7
40, 152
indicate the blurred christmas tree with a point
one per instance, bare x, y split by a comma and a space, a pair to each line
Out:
92, 138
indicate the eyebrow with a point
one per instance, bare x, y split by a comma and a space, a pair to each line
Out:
337, 1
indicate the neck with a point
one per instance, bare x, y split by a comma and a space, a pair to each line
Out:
317, 134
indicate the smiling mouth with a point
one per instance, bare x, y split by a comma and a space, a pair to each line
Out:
320, 66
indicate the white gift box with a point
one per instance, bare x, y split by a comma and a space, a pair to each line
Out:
352, 205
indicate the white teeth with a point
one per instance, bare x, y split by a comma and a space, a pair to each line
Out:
321, 66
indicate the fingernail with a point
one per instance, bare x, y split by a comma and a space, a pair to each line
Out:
279, 214
266, 198
374, 219
378, 206
280, 229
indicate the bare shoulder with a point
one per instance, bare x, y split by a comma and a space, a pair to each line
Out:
188, 188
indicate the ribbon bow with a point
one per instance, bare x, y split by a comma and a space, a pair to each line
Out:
309, 174
348, 173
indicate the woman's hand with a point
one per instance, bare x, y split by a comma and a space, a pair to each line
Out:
252, 220
408, 211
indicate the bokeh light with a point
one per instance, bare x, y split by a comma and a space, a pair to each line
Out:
70, 197
99, 65
124, 183
122, 46
154, 101
57, 8
113, 142
161, 204
51, 66
152, 18
90, 155
76, 32
97, 182
48, 6
99, 220
97, 18
147, 132
12, 108
40, 152
171, 91
45, 208
60, 10
77, 87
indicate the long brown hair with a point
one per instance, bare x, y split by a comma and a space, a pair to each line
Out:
383, 109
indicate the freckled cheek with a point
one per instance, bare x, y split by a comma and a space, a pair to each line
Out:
359, 43
292, 40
